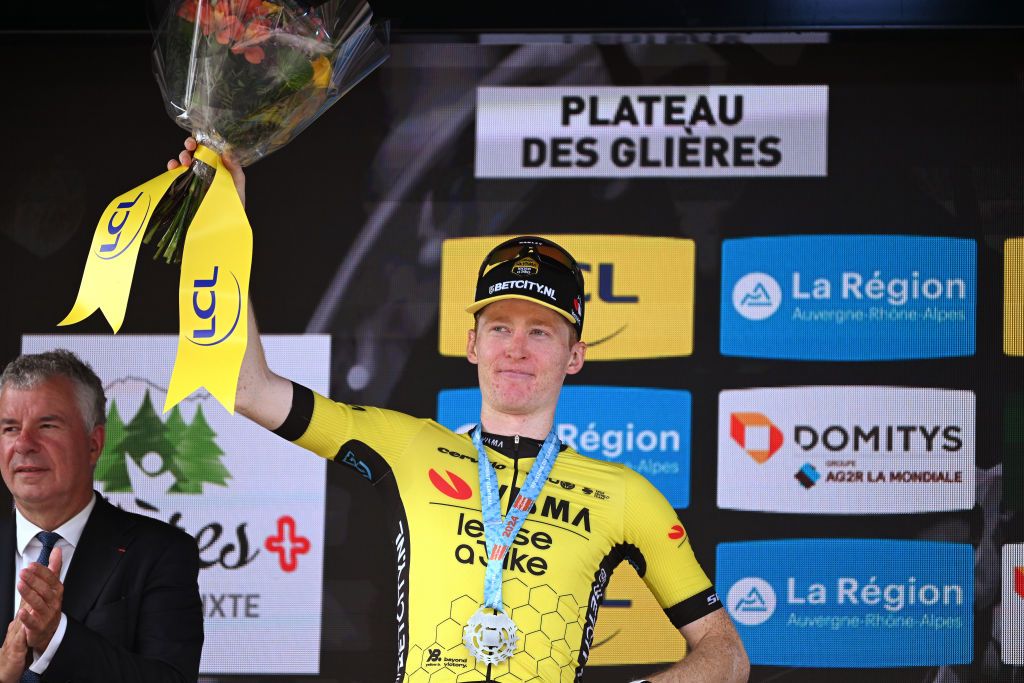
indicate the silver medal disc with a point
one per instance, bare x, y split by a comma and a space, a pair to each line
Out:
490, 636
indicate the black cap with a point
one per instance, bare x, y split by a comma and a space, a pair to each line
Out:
532, 269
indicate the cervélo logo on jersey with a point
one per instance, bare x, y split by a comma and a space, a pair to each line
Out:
639, 293
848, 297
1012, 607
846, 450
850, 602
646, 429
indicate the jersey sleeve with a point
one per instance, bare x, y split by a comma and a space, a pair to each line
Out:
367, 439
658, 546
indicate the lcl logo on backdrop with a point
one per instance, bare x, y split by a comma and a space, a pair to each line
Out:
1012, 607
850, 602
1013, 298
848, 297
633, 629
846, 450
639, 293
647, 430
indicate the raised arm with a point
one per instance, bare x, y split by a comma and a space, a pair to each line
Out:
263, 396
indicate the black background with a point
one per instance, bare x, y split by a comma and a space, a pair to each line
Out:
925, 137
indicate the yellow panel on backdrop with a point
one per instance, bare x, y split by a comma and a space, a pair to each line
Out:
640, 293
631, 626
1013, 298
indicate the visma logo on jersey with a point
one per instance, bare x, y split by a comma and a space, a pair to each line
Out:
848, 297
850, 602
846, 450
1013, 297
1012, 605
645, 429
639, 293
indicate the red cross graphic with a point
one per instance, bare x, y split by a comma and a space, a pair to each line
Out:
287, 544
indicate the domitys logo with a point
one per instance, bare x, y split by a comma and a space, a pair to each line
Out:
755, 434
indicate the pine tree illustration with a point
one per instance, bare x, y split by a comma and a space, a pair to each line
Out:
147, 433
110, 469
197, 457
175, 426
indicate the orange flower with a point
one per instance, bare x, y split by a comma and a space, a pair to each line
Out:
254, 55
256, 31
229, 29
187, 11
321, 72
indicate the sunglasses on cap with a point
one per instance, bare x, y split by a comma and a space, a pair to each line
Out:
522, 246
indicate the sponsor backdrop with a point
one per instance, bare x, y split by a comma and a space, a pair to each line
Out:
845, 297
804, 320
639, 302
796, 606
846, 450
565, 132
259, 525
1013, 305
1013, 603
646, 429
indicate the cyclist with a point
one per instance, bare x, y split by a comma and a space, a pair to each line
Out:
505, 538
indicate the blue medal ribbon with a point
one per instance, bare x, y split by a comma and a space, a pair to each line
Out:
499, 534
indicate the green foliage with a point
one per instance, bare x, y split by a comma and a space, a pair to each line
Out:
188, 451
198, 458
111, 470
296, 70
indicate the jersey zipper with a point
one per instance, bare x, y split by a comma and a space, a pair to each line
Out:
515, 473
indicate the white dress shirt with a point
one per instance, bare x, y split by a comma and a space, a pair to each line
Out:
28, 547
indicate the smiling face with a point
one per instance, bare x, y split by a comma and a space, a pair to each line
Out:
522, 351
47, 453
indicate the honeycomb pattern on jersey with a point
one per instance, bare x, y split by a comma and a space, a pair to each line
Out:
548, 623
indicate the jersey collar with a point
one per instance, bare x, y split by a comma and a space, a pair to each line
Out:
506, 445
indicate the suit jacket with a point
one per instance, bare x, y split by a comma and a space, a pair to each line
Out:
131, 597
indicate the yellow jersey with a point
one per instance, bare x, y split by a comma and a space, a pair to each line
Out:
589, 516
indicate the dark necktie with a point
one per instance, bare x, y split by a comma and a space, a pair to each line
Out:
48, 539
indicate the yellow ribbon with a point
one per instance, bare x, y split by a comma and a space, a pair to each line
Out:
213, 293
110, 267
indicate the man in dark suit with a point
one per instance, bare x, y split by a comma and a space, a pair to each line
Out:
103, 594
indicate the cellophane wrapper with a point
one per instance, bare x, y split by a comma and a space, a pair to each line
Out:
244, 77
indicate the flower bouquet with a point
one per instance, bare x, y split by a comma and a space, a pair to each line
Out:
244, 77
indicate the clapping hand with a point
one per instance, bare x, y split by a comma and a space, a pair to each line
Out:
42, 595
14, 653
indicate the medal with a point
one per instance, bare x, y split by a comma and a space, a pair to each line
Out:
490, 635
